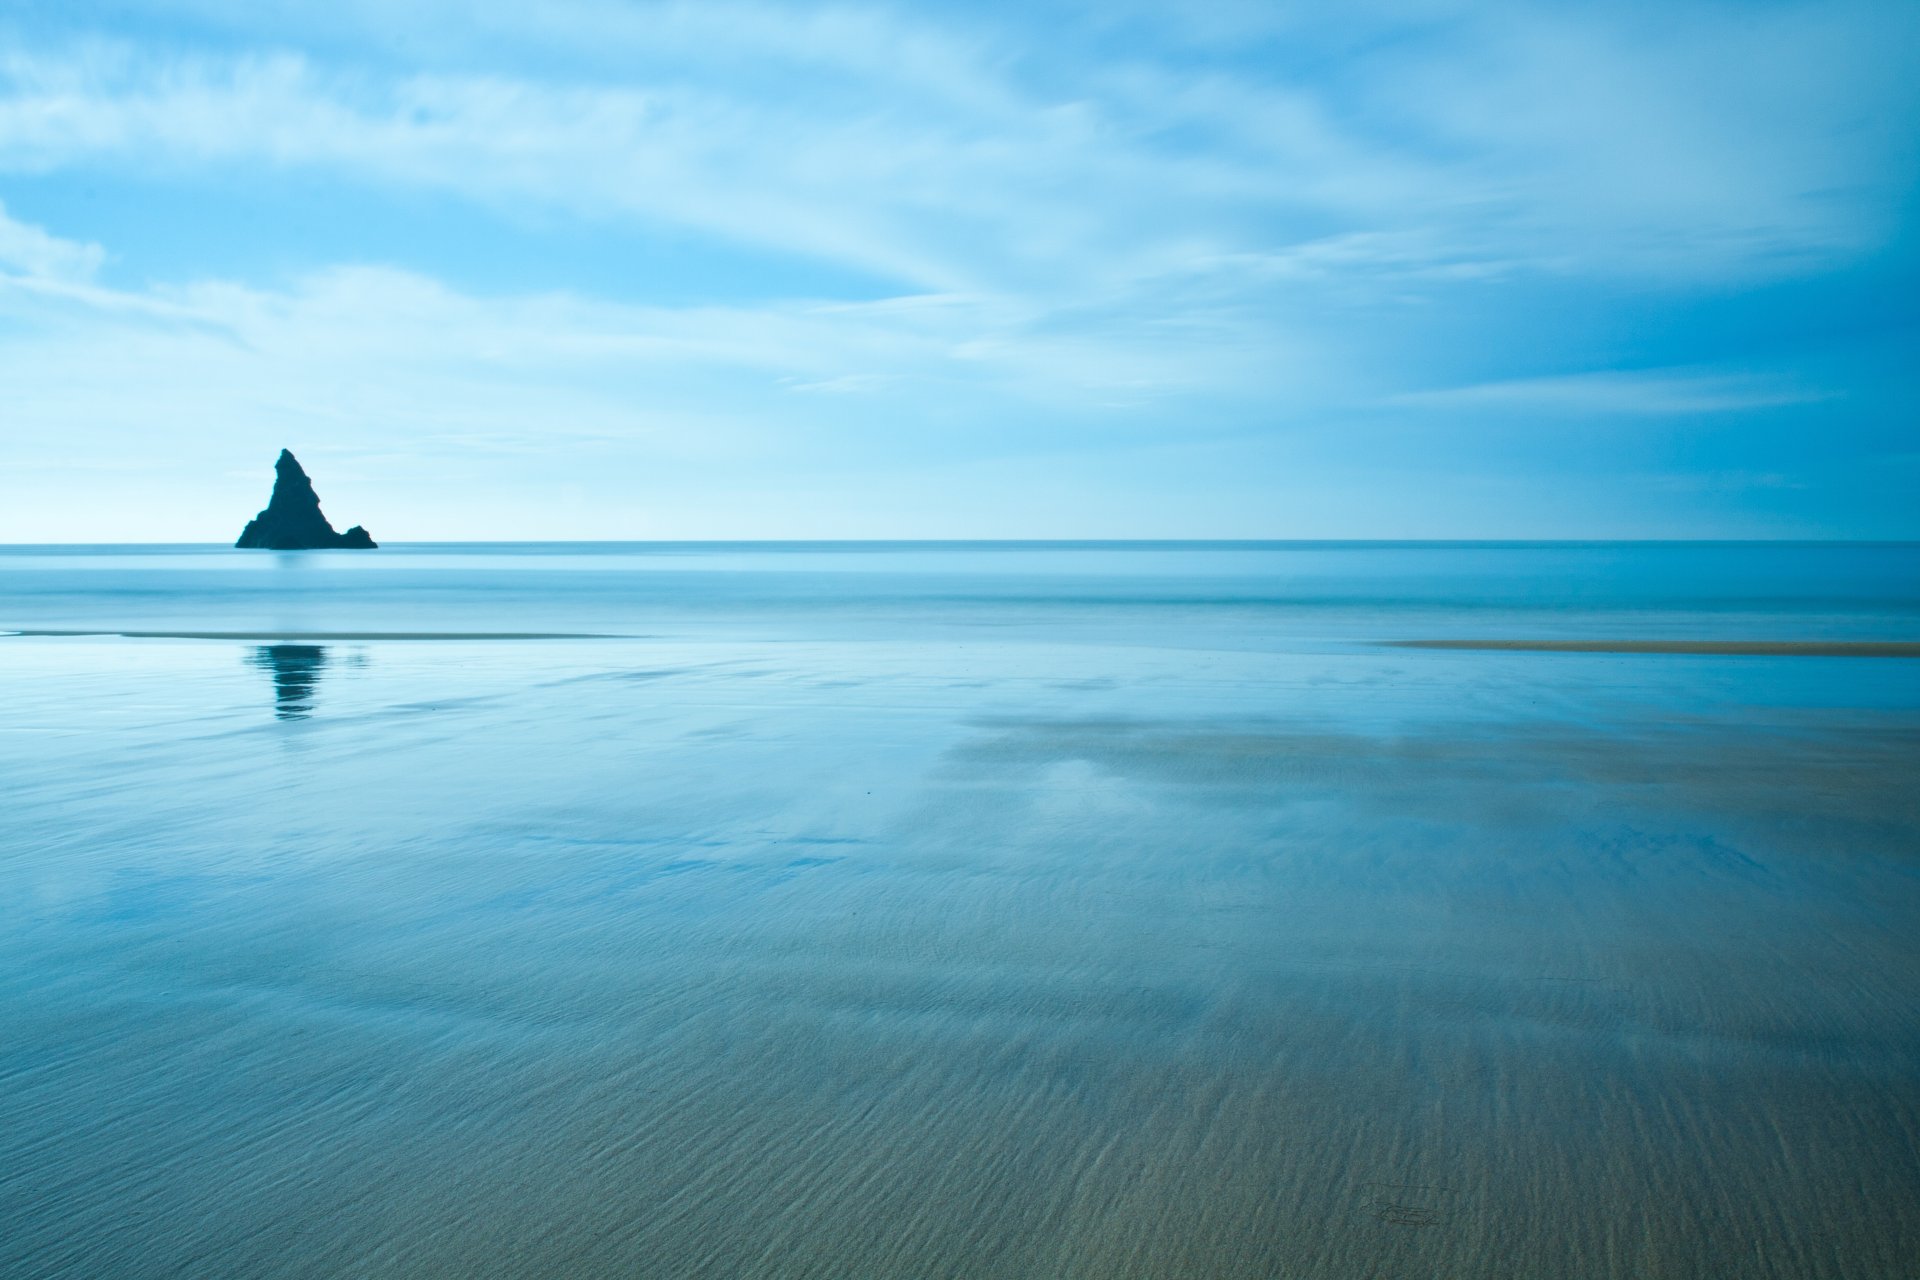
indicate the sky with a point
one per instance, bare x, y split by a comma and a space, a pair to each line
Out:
612, 269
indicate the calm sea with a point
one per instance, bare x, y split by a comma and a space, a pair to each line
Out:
989, 909
1270, 593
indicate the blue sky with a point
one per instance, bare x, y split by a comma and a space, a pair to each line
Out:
596, 268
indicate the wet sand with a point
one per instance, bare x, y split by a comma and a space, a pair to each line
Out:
952, 959
959, 912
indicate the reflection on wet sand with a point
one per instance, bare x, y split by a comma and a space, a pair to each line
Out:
830, 939
295, 669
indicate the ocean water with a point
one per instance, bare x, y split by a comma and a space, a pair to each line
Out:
1080, 910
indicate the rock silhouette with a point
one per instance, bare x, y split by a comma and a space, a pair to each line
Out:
292, 520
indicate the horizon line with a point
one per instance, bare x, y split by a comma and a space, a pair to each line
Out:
995, 542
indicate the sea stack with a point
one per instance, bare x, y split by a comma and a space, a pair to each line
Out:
292, 520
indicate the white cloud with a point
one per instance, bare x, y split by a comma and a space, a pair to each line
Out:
1637, 393
45, 259
1677, 141
1122, 226
571, 415
957, 158
368, 349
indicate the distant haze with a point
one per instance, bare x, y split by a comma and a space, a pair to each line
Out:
594, 269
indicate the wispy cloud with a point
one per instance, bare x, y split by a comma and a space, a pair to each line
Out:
930, 154
1074, 230
1640, 392
31, 253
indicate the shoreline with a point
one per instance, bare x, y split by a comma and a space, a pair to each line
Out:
319, 635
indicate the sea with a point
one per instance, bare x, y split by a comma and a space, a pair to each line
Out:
961, 910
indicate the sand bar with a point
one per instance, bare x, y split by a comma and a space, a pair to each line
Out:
1753, 648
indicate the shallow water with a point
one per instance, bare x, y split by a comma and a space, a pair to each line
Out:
1026, 910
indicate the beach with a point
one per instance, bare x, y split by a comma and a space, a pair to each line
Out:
884, 909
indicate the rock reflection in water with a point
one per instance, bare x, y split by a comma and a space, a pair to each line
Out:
295, 669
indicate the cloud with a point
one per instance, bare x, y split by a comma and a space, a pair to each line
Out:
40, 257
449, 414
1074, 231
1681, 140
366, 350
1633, 393
953, 157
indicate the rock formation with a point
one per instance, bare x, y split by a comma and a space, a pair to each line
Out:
292, 520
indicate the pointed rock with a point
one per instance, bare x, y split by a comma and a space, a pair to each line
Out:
292, 520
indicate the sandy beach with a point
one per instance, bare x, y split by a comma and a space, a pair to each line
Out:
989, 938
